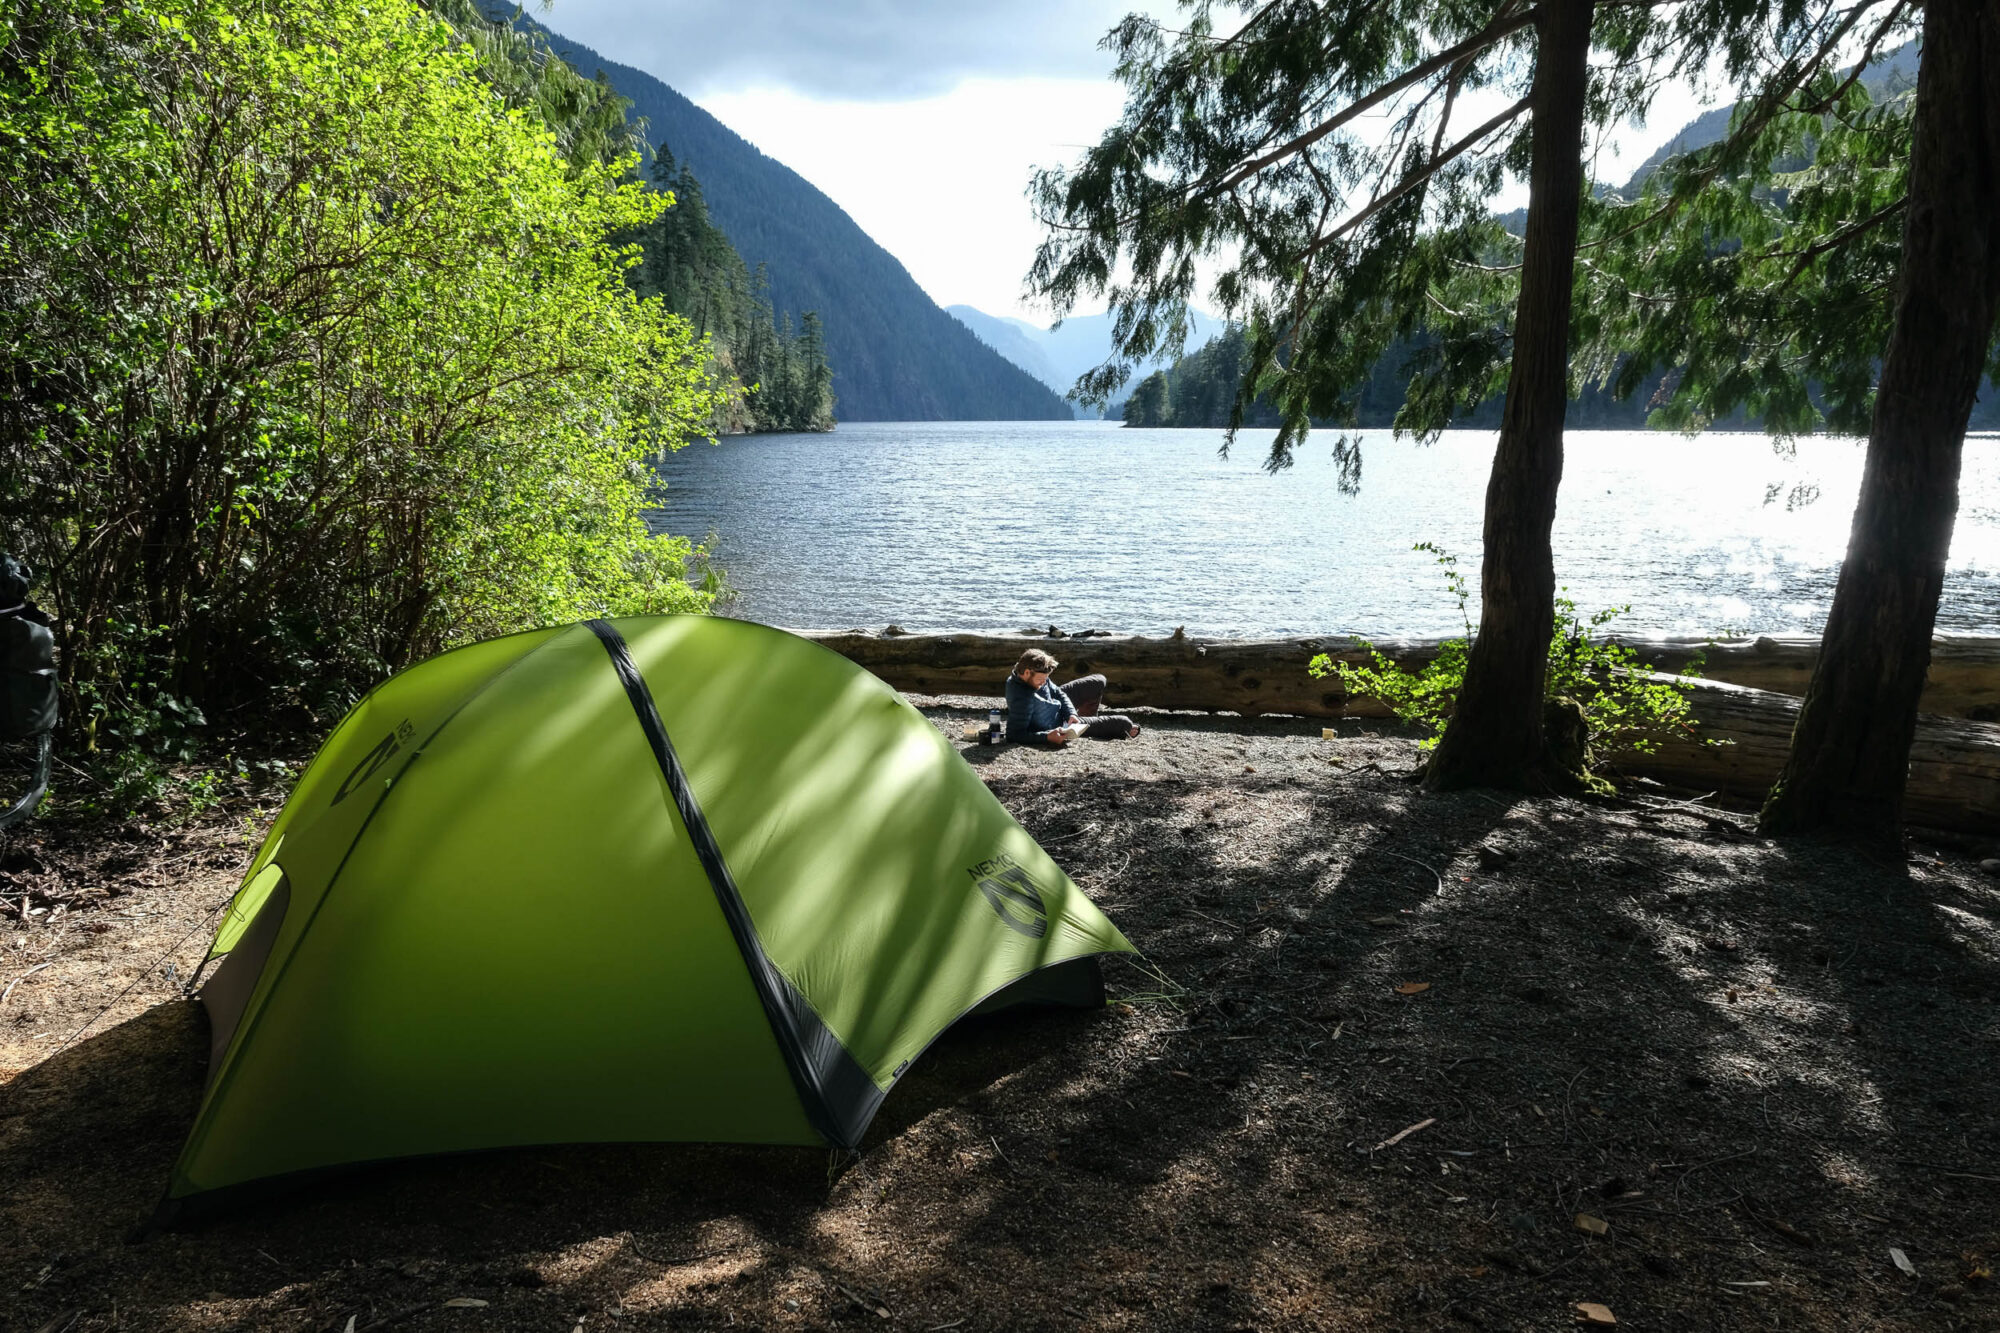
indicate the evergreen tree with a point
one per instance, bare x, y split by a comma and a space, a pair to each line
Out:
1857, 291
1336, 246
1148, 405
1850, 755
816, 410
687, 263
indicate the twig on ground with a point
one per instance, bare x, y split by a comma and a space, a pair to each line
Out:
1402, 1134
1568, 1089
675, 1261
396, 1316
23, 977
115, 1000
1943, 1170
1415, 862
1675, 805
1713, 1161
1114, 874
873, 1305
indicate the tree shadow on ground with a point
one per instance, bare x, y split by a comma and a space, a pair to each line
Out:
91, 1135
1382, 1050
1721, 1050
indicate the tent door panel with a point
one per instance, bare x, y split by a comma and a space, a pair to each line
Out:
227, 993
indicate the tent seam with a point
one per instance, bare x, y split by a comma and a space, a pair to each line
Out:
807, 1076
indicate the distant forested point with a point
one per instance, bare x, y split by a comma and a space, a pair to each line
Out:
1199, 391
779, 379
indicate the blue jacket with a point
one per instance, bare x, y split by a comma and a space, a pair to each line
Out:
1031, 713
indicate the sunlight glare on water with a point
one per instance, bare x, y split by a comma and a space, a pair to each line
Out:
999, 526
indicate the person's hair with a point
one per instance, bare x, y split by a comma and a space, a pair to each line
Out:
1034, 660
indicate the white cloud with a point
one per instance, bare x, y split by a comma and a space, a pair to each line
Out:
939, 183
924, 120
850, 50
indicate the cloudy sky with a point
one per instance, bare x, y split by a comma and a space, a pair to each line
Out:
921, 118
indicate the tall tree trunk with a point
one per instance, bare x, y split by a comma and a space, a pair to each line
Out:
1495, 736
1851, 747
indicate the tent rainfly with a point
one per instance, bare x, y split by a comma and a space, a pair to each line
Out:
672, 878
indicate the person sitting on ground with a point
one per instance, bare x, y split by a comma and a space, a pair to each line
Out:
1040, 710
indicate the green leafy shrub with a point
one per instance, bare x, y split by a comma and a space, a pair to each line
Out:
1625, 706
315, 359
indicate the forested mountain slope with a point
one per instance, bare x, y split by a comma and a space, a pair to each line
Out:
781, 379
1013, 341
895, 355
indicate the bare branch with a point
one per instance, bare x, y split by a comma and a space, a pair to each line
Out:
1503, 25
1457, 150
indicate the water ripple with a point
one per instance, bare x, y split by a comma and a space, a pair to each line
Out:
997, 526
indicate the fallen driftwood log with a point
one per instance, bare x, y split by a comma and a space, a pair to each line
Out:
1257, 676
1747, 697
1954, 763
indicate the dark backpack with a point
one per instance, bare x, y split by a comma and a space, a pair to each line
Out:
27, 683
27, 678
27, 659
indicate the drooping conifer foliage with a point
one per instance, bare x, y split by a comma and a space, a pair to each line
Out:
314, 355
1835, 261
1756, 274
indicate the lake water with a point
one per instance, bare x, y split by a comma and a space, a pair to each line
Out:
998, 526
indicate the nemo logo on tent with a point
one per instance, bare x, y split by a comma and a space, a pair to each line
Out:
1014, 896
373, 760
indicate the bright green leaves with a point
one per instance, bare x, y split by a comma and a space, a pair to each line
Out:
318, 357
1625, 706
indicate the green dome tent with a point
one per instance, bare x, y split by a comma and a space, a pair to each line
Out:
660, 879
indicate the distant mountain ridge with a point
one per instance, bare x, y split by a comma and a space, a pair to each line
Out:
1082, 342
1889, 74
895, 355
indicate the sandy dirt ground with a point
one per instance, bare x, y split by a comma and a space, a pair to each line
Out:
1393, 1060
